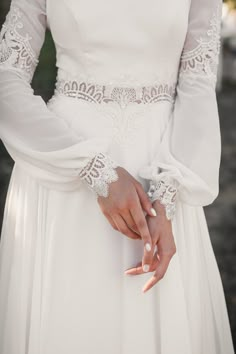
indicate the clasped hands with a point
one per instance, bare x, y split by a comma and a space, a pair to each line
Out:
125, 209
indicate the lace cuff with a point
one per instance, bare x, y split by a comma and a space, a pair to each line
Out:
99, 173
164, 190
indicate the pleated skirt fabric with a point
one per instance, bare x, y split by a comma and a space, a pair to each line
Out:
62, 284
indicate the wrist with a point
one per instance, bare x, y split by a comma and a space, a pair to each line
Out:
163, 194
98, 173
160, 208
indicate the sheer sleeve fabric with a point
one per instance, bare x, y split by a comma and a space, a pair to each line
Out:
33, 135
187, 163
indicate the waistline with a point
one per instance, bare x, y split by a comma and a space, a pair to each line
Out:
81, 88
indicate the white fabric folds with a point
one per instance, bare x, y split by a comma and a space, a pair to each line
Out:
190, 149
35, 137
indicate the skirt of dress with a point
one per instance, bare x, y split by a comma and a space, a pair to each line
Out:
62, 284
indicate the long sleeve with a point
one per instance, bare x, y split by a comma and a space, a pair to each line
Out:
186, 166
33, 135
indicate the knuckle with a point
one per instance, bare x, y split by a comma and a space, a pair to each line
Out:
121, 207
169, 252
172, 251
159, 275
131, 203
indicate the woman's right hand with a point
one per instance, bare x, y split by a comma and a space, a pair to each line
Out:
124, 208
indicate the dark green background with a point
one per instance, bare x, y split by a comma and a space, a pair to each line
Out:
221, 215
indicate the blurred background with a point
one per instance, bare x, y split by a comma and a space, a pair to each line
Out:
221, 215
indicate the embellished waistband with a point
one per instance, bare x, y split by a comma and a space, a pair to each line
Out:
95, 93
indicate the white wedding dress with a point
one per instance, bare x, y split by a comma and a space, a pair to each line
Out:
135, 88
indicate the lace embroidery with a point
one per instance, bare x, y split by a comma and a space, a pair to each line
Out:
99, 173
15, 49
204, 58
121, 95
124, 107
166, 193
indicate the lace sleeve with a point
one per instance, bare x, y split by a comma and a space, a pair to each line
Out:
33, 135
186, 166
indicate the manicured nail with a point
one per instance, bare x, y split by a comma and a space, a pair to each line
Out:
146, 267
148, 247
153, 211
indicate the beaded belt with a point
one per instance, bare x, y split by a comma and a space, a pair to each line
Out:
109, 93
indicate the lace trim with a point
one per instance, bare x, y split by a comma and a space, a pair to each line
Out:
204, 58
99, 173
15, 49
166, 192
122, 95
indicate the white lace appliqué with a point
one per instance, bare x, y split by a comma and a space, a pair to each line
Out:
109, 93
204, 57
15, 48
99, 173
124, 107
166, 192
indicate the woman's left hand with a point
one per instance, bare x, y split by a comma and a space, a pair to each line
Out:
162, 237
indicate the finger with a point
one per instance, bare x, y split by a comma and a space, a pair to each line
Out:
138, 269
111, 221
130, 222
144, 200
123, 228
162, 265
142, 226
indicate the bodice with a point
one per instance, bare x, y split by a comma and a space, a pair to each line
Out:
121, 42
129, 54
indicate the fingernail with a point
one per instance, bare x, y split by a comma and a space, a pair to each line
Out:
148, 247
146, 267
153, 211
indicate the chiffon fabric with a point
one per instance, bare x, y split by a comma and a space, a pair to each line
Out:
136, 82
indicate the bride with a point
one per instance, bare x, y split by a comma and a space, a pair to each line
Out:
105, 247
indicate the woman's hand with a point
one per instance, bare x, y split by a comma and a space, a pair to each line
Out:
124, 208
161, 231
